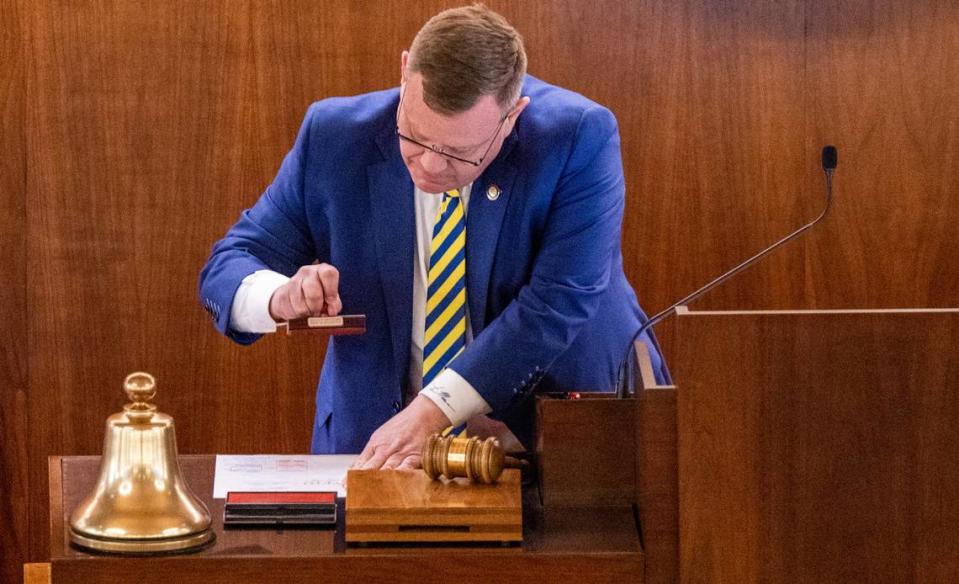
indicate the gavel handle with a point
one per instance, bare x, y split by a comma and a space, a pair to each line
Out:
511, 462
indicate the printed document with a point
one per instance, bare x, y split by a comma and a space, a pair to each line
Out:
281, 472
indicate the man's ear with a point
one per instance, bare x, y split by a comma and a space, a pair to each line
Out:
404, 59
521, 104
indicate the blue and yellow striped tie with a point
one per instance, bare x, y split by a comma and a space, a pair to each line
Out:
446, 296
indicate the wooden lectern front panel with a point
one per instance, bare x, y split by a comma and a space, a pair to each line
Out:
818, 446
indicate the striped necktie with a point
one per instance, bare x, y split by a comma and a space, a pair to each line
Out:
446, 295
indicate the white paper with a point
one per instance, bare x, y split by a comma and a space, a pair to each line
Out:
280, 472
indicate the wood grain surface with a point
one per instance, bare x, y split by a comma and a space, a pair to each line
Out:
36, 573
14, 376
657, 481
585, 450
613, 452
133, 135
716, 157
582, 543
819, 447
408, 506
880, 87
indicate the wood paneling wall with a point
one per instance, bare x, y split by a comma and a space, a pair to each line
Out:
14, 462
880, 85
133, 135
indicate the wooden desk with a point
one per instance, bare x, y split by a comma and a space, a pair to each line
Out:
577, 544
36, 573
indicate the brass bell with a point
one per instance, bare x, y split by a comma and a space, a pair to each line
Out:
481, 461
140, 505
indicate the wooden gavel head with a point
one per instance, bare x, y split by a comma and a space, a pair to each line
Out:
481, 461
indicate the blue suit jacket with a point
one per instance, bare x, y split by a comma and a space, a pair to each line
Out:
548, 301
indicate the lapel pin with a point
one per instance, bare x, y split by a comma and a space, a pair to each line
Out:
493, 192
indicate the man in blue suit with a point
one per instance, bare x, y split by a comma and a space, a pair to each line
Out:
473, 215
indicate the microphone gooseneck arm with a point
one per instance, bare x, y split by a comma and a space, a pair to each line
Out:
829, 160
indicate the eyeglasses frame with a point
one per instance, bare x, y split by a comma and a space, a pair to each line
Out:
438, 149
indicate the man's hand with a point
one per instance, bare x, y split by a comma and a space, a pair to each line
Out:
399, 442
312, 291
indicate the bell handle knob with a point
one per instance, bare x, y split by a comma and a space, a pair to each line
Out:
140, 387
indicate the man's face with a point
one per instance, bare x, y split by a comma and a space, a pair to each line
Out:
467, 135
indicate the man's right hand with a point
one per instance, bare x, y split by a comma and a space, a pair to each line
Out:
312, 291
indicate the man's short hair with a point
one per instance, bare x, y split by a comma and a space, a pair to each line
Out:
466, 53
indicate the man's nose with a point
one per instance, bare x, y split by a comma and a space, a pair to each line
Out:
433, 162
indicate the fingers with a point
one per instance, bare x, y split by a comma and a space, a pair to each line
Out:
383, 452
329, 279
398, 443
297, 298
411, 462
313, 294
376, 461
319, 286
399, 459
395, 460
311, 291
280, 307
364, 456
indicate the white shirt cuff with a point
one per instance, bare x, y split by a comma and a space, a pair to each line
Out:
456, 397
250, 312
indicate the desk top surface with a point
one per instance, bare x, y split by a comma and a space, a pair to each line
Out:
585, 540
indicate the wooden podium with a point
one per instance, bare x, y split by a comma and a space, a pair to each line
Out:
583, 543
797, 446
818, 446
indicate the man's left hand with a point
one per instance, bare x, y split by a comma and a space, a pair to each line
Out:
399, 442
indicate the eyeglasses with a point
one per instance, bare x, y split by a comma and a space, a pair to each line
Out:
439, 149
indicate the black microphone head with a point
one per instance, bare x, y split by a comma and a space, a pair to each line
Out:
829, 158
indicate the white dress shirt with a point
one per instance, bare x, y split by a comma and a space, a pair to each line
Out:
449, 391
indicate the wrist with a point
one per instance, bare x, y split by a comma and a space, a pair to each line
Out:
431, 413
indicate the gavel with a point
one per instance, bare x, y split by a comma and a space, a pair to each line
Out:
481, 461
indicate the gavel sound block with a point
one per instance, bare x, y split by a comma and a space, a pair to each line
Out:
389, 506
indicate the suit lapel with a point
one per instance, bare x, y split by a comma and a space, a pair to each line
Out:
394, 225
487, 208
391, 202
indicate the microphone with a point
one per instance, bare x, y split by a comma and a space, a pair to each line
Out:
830, 159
